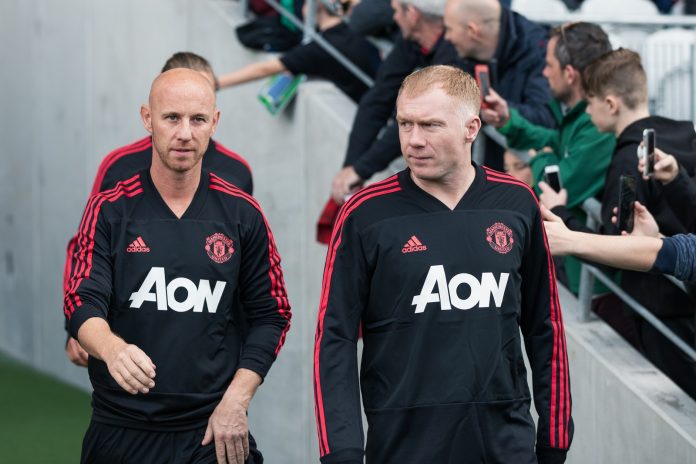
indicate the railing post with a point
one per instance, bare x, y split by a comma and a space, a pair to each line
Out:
587, 280
310, 20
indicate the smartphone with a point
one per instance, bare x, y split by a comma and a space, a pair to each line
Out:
552, 176
484, 81
649, 147
627, 199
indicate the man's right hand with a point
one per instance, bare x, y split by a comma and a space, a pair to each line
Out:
644, 224
497, 112
345, 182
130, 367
76, 354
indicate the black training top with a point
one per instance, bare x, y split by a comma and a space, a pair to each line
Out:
441, 296
201, 295
313, 60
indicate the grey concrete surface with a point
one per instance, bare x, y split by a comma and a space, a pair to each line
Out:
74, 74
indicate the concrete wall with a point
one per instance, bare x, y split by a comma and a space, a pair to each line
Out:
74, 75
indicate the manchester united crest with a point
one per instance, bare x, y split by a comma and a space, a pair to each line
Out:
499, 237
219, 248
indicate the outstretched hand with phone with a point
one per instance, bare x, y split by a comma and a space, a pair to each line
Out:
497, 112
550, 198
666, 166
644, 224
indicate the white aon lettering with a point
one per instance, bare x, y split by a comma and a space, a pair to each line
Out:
447, 295
164, 294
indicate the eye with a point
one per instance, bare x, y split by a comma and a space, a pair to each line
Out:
405, 124
171, 117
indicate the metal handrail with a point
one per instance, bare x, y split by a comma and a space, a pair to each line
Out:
624, 20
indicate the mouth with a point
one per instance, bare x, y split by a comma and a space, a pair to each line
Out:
182, 151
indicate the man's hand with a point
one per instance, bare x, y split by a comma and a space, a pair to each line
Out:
228, 423
345, 182
559, 236
76, 354
130, 367
550, 198
644, 224
496, 113
666, 166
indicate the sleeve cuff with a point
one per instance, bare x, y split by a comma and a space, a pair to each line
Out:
80, 316
547, 455
505, 130
256, 359
666, 257
345, 456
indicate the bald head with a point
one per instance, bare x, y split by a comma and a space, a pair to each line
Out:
184, 83
476, 10
181, 116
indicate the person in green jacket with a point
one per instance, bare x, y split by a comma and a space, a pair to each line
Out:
581, 152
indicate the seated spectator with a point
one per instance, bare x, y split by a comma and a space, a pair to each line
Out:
516, 163
580, 151
313, 60
420, 44
373, 18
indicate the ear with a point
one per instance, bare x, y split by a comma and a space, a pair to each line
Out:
613, 103
571, 75
473, 126
216, 120
146, 116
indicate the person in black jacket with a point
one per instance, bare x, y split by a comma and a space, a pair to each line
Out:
513, 48
315, 61
373, 136
443, 266
178, 341
616, 89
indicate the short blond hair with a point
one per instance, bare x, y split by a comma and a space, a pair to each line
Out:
453, 81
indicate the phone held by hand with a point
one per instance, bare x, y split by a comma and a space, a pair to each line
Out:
552, 176
484, 81
627, 199
649, 151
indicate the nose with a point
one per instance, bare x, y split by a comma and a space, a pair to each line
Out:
184, 130
416, 137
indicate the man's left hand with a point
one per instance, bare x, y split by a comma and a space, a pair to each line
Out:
228, 427
550, 198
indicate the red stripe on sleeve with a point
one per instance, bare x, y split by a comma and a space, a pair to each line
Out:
387, 186
275, 273
85, 238
560, 386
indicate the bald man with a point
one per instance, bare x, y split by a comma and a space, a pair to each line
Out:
177, 294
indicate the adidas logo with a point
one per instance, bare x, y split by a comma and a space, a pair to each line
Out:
138, 246
412, 245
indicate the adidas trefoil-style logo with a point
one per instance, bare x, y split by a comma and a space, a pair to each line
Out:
412, 245
138, 246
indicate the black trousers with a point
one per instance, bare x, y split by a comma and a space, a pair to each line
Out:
108, 444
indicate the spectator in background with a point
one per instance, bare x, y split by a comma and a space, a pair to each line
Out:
421, 44
126, 161
484, 32
580, 151
616, 89
373, 18
312, 59
516, 163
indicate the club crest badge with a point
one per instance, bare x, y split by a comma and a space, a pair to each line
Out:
499, 237
219, 248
